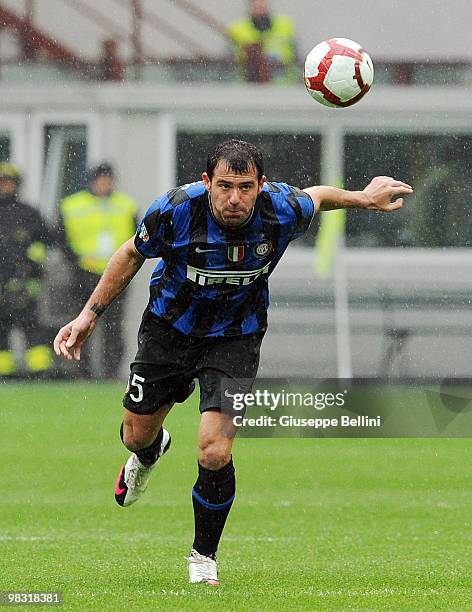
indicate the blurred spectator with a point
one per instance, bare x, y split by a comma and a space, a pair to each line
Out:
264, 45
95, 222
24, 238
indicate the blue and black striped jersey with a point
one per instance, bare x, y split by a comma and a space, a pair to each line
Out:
213, 280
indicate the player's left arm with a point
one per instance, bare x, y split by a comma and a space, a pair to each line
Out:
121, 268
378, 195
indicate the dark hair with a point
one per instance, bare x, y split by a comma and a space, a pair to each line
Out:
240, 157
103, 169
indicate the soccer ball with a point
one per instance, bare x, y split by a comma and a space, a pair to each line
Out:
338, 72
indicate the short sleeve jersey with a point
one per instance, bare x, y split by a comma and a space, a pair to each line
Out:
213, 280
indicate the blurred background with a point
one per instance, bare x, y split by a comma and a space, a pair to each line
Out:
149, 86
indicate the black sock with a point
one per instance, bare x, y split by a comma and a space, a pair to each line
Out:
147, 455
212, 497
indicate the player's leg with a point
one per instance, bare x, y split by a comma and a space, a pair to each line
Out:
144, 435
147, 402
212, 494
142, 432
233, 363
158, 379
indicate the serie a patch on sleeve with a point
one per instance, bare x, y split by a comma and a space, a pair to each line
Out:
143, 233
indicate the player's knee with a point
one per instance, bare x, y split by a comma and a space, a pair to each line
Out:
134, 440
214, 455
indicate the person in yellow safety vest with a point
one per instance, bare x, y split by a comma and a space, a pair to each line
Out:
267, 37
24, 238
95, 222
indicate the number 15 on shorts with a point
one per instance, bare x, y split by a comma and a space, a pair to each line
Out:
136, 383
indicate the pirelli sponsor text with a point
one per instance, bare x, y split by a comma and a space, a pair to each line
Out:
225, 277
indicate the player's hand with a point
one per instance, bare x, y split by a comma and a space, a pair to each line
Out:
380, 192
70, 338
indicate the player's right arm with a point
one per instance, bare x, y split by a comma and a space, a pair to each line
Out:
121, 268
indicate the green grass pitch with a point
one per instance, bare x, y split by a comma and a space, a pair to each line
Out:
317, 524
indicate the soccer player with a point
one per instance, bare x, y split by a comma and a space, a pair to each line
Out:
218, 239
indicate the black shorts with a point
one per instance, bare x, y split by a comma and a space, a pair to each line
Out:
167, 361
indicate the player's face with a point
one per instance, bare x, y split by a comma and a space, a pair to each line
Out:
232, 195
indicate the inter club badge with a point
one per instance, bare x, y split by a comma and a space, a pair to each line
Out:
236, 253
262, 249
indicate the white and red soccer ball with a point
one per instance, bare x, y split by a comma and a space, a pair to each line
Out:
338, 72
